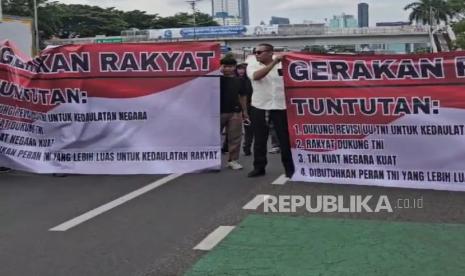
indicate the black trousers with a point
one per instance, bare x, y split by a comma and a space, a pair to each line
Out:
260, 120
248, 130
248, 137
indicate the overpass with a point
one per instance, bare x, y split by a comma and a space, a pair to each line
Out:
377, 38
355, 36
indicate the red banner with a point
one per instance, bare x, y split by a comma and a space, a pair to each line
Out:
389, 120
110, 108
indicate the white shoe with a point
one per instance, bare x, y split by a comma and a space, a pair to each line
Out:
274, 150
234, 165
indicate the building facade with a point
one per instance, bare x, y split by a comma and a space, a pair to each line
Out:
244, 12
363, 19
275, 20
231, 12
343, 21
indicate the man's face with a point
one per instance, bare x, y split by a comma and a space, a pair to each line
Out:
263, 54
241, 71
228, 70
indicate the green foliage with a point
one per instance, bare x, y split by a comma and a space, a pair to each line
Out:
61, 20
84, 21
458, 7
459, 29
20, 7
436, 11
429, 11
183, 19
139, 19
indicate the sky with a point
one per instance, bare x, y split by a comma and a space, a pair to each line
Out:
296, 10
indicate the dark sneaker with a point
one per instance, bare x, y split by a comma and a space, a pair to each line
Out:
289, 174
4, 169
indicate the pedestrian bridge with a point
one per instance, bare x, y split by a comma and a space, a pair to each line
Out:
350, 36
377, 37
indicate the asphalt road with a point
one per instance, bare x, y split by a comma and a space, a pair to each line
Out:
154, 234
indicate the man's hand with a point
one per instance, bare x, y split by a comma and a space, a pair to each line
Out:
245, 116
277, 59
261, 73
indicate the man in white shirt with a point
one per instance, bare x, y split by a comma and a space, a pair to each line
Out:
268, 104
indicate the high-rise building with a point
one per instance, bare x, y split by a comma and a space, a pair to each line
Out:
275, 20
231, 12
244, 8
363, 15
343, 21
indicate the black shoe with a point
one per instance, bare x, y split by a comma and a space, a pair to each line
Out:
289, 174
4, 169
256, 173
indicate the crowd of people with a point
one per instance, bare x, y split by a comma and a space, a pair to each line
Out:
252, 95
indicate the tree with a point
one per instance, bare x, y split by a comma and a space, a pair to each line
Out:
86, 21
65, 21
457, 7
51, 21
139, 19
459, 29
184, 19
20, 7
430, 11
203, 19
178, 20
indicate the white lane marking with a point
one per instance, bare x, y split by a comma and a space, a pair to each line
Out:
214, 238
255, 202
281, 180
110, 205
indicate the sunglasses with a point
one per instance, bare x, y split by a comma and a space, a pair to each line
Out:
260, 52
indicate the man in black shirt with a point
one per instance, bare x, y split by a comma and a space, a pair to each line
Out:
233, 109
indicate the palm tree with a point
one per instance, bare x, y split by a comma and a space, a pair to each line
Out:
458, 8
430, 11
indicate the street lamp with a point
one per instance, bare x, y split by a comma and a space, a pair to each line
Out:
36, 27
434, 48
1, 12
193, 3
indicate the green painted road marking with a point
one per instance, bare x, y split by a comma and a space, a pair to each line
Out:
294, 246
